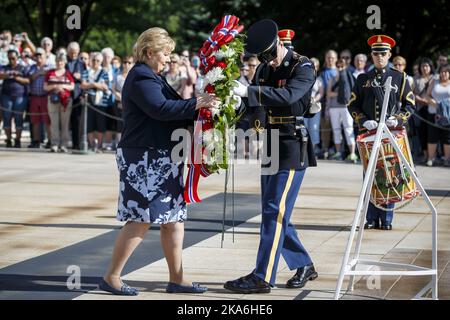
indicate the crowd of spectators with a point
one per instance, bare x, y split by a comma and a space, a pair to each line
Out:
428, 128
46, 87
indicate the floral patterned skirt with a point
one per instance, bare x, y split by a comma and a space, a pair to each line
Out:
151, 186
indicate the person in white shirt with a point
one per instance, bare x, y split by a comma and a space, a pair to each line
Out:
47, 44
360, 62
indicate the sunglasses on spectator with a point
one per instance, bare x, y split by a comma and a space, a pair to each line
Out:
346, 58
383, 54
173, 62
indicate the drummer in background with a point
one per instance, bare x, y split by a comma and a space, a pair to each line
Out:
365, 107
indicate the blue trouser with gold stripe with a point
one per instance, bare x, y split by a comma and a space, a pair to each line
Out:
278, 235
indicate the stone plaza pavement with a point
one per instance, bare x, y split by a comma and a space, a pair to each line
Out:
57, 215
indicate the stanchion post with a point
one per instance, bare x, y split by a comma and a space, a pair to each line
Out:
83, 138
84, 142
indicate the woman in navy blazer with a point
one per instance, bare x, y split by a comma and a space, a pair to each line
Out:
151, 182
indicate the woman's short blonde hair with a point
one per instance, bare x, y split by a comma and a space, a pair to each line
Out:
153, 40
174, 58
399, 59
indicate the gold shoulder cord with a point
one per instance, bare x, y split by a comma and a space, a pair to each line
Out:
257, 126
410, 98
404, 116
352, 98
357, 116
403, 86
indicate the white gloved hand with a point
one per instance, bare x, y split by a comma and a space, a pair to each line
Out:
392, 122
238, 102
240, 89
315, 107
370, 124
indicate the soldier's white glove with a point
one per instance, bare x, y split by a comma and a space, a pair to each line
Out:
238, 102
240, 89
315, 107
392, 122
370, 124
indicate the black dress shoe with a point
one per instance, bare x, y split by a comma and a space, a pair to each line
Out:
372, 225
386, 227
248, 284
302, 276
369, 225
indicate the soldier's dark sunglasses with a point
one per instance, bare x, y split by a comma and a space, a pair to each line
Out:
269, 55
383, 54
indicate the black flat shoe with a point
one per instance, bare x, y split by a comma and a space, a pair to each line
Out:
125, 290
248, 284
303, 275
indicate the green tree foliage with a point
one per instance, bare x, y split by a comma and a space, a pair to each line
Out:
420, 28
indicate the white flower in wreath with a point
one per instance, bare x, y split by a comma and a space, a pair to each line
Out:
224, 53
215, 111
208, 137
209, 159
212, 136
213, 75
236, 102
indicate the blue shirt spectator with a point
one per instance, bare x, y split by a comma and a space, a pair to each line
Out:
37, 84
94, 77
76, 66
11, 87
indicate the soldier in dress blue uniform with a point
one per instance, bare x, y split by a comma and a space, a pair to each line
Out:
282, 87
366, 103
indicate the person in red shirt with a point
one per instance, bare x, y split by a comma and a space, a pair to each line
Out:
59, 83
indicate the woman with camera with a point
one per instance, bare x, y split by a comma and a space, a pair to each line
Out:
59, 82
14, 96
95, 81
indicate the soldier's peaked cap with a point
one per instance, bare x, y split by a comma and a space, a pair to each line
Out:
381, 43
261, 36
286, 35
